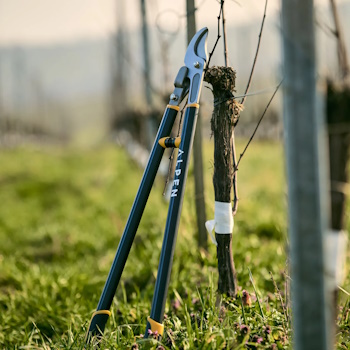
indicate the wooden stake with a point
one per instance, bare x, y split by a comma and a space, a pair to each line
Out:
197, 148
224, 116
306, 173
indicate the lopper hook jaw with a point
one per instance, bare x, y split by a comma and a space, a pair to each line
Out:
190, 77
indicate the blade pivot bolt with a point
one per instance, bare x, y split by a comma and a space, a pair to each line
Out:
196, 64
174, 97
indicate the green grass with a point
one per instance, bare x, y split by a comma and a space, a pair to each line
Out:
62, 213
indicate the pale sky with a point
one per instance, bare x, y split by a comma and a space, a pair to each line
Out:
50, 21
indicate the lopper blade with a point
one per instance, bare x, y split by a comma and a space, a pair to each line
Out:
195, 60
197, 48
190, 77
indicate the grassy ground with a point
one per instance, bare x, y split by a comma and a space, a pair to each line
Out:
62, 214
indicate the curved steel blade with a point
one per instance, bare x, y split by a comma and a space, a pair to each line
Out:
195, 59
190, 77
197, 48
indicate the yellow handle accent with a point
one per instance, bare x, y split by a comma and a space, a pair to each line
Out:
193, 105
177, 108
98, 312
176, 143
162, 141
101, 312
155, 326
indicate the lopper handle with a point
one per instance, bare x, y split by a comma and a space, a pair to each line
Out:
100, 317
155, 320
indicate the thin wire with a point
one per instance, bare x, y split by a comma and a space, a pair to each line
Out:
260, 92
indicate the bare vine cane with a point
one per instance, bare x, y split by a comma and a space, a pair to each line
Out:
235, 194
224, 116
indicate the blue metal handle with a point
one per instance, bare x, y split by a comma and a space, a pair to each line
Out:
99, 319
173, 218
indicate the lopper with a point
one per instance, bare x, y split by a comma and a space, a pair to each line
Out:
187, 82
